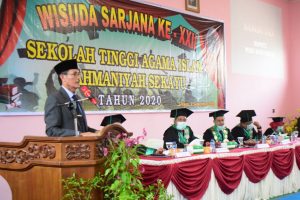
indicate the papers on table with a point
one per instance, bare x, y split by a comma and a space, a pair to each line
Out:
166, 152
222, 150
196, 142
261, 146
286, 141
182, 154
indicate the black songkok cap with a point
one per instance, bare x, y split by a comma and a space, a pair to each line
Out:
65, 66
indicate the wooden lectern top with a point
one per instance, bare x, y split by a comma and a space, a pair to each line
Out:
42, 162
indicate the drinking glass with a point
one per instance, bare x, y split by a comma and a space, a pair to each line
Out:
241, 141
174, 145
296, 134
201, 142
272, 137
169, 145
292, 136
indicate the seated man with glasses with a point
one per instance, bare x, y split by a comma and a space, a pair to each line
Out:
59, 118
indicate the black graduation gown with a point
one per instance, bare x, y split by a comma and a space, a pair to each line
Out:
269, 131
240, 132
171, 135
208, 135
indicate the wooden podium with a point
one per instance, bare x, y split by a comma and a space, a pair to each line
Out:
35, 167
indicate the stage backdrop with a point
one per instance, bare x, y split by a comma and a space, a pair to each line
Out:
133, 57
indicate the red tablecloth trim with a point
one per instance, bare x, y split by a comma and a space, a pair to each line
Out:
282, 162
257, 166
297, 156
228, 172
192, 178
152, 173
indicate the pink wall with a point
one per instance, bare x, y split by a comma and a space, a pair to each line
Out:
294, 54
263, 94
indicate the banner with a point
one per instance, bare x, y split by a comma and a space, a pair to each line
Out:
133, 57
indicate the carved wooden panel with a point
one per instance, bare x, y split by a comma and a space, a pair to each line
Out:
101, 147
78, 151
32, 152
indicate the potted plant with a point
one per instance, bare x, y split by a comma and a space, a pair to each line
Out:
121, 178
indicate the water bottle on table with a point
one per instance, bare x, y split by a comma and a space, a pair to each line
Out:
276, 139
240, 141
294, 136
263, 139
213, 146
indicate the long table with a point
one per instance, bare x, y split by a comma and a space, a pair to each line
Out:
246, 173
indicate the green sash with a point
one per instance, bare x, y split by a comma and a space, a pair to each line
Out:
248, 133
183, 136
217, 135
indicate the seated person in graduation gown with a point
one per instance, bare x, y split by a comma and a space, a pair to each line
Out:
276, 127
119, 119
218, 132
246, 126
179, 132
59, 117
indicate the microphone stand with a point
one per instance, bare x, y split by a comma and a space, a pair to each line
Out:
68, 102
72, 105
73, 109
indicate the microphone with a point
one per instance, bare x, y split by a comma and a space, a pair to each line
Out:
87, 93
68, 103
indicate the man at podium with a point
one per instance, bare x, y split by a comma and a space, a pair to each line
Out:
59, 114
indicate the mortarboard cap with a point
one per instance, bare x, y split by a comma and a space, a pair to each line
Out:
180, 112
20, 81
65, 66
277, 119
107, 120
246, 115
217, 113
